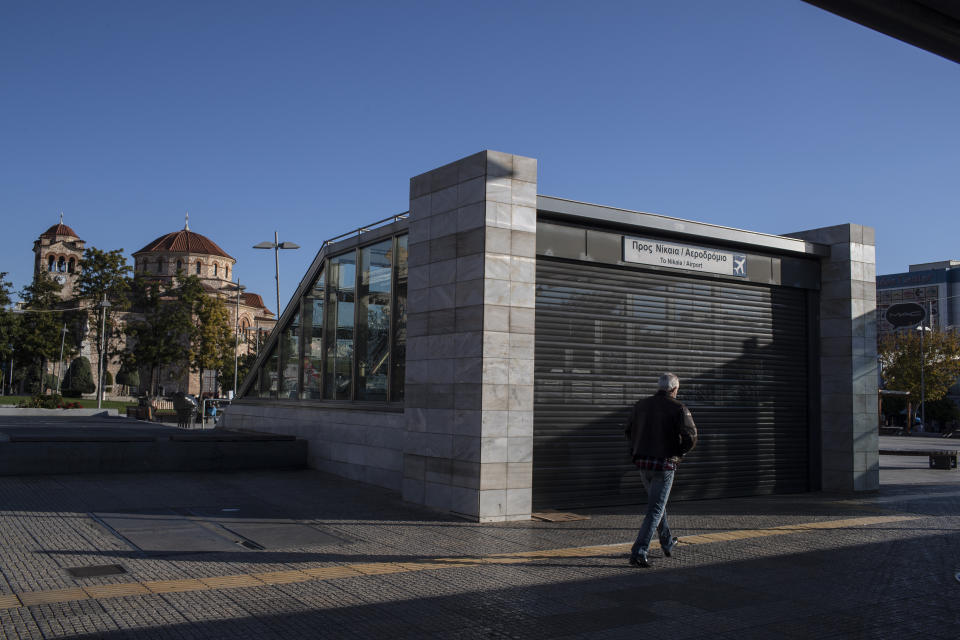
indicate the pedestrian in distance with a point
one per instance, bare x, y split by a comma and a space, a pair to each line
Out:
660, 431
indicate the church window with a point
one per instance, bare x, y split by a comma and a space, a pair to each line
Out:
226, 272
214, 269
61, 264
179, 265
72, 265
50, 261
198, 267
159, 265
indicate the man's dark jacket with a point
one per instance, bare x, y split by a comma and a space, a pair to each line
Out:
660, 427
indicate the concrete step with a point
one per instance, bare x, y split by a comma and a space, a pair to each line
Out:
117, 445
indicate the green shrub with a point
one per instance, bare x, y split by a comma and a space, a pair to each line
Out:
32, 379
50, 382
42, 401
80, 378
129, 377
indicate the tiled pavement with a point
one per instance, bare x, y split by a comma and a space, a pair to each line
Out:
343, 560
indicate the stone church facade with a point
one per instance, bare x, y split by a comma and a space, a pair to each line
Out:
59, 250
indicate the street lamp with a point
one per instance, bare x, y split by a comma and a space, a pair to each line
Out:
104, 305
923, 328
236, 343
276, 245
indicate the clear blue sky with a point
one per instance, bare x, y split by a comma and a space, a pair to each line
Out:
310, 118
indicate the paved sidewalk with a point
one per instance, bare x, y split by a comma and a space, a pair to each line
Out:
302, 554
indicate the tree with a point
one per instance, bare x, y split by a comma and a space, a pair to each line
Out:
50, 381
159, 330
8, 325
900, 358
104, 275
212, 342
244, 364
37, 333
128, 376
79, 379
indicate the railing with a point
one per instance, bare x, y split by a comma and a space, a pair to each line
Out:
370, 227
218, 403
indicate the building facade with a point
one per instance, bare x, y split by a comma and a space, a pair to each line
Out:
480, 352
58, 252
935, 286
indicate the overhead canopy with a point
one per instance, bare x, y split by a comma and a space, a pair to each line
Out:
933, 25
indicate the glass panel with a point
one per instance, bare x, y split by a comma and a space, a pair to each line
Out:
268, 376
338, 375
313, 340
289, 358
373, 321
399, 358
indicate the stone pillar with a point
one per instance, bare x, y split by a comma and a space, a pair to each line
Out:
848, 358
469, 385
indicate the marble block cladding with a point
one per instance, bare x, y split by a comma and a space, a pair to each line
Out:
848, 358
468, 444
366, 446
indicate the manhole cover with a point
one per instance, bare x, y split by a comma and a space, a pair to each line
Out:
95, 571
556, 516
165, 533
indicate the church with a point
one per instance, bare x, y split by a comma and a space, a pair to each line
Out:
59, 250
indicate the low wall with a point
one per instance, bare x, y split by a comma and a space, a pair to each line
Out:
362, 445
65, 454
57, 413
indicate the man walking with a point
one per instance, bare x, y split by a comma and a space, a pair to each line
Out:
660, 431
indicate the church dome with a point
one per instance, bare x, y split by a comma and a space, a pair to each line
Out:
59, 229
184, 241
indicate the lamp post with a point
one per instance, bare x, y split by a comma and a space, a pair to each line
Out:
236, 343
923, 328
276, 245
104, 305
63, 337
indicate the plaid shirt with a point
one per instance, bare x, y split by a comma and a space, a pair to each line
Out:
654, 464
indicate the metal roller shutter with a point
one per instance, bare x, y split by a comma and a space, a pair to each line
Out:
604, 334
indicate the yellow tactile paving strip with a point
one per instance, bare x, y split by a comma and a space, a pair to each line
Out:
266, 578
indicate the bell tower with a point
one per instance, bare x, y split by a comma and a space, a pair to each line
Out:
57, 252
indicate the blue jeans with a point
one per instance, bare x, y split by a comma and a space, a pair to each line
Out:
658, 485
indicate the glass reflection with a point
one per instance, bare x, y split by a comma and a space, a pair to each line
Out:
269, 376
289, 356
340, 318
313, 340
399, 357
373, 319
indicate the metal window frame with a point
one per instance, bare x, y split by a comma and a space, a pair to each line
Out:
392, 227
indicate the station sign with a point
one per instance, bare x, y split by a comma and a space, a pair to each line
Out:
906, 314
672, 255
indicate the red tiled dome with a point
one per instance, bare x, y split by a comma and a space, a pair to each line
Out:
184, 241
59, 229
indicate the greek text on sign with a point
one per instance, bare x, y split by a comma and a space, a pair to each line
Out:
684, 256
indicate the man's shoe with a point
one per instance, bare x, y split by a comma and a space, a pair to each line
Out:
640, 561
668, 551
